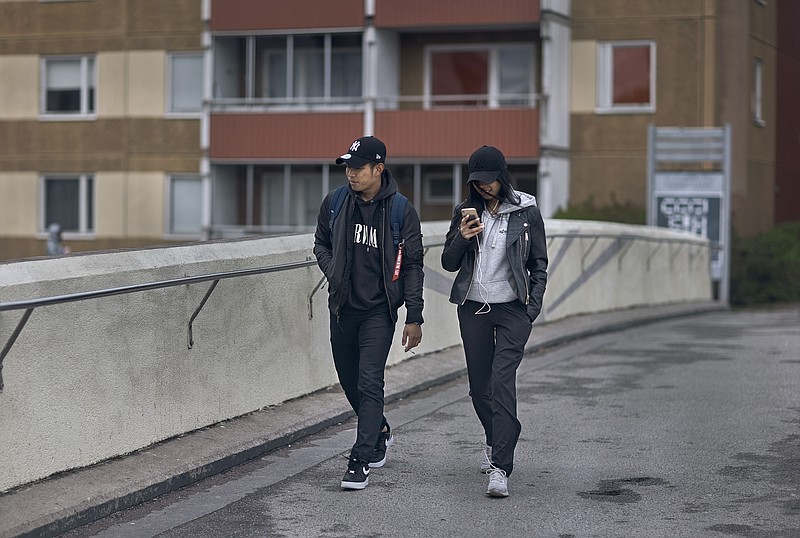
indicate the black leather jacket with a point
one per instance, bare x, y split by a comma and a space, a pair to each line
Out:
526, 249
334, 253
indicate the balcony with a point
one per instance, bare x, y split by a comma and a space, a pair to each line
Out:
448, 134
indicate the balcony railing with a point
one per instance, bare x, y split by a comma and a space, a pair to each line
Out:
344, 103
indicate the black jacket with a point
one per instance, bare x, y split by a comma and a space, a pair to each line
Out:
334, 253
526, 249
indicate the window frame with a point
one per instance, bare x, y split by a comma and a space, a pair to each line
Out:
171, 112
428, 197
83, 113
494, 96
290, 102
605, 79
84, 207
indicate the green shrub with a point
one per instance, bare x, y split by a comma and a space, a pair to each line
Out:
766, 268
626, 213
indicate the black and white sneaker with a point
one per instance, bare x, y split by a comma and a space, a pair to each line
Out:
357, 475
385, 440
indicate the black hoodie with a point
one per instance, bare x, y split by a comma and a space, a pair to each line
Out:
360, 278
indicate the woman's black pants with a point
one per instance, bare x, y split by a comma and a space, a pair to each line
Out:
494, 343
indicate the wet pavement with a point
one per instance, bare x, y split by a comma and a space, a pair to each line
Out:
683, 427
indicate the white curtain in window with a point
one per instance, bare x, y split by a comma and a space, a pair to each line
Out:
63, 74
187, 205
187, 83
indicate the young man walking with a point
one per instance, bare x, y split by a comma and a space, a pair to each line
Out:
370, 251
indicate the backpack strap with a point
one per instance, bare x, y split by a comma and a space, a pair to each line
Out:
398, 209
337, 201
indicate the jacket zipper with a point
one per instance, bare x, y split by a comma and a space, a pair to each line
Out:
522, 259
382, 247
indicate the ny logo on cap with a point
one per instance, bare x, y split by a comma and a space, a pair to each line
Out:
354, 146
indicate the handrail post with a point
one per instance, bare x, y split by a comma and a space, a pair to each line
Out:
653, 253
311, 298
11, 341
198, 309
585, 254
625, 249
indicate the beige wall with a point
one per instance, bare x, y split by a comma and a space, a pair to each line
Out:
16, 99
583, 64
112, 91
130, 204
131, 84
145, 204
146, 83
19, 203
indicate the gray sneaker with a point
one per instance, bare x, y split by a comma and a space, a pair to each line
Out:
498, 483
486, 460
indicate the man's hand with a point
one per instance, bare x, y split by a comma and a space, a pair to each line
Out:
412, 336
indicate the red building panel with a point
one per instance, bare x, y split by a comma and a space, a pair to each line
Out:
454, 134
322, 136
421, 13
251, 15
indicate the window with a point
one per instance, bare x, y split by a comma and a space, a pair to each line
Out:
69, 201
186, 205
69, 86
626, 77
758, 69
270, 198
480, 75
295, 70
437, 184
185, 83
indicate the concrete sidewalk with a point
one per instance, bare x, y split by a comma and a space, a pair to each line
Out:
60, 503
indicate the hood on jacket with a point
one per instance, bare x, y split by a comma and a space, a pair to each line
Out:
388, 187
525, 200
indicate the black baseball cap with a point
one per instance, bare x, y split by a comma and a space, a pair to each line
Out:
485, 164
365, 150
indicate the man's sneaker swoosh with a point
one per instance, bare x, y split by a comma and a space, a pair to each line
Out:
366, 470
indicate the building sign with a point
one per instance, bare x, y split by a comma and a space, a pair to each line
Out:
688, 188
691, 202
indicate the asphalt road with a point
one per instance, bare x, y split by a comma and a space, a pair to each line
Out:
688, 427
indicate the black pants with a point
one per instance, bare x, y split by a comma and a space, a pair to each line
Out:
494, 344
360, 342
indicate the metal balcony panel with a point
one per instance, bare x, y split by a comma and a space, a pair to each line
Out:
449, 13
454, 134
256, 15
285, 136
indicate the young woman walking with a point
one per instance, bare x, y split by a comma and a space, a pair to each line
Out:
496, 242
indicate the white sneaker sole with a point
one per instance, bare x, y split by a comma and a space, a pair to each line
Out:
355, 485
496, 493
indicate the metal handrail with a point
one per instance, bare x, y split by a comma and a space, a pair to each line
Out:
31, 304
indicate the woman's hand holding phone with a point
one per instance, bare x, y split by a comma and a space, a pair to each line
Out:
470, 223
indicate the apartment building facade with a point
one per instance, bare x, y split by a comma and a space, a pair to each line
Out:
294, 84
134, 123
100, 118
687, 63
141, 122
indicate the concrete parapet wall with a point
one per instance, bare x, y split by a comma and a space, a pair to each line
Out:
95, 379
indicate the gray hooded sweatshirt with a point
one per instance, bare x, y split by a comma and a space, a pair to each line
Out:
494, 281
